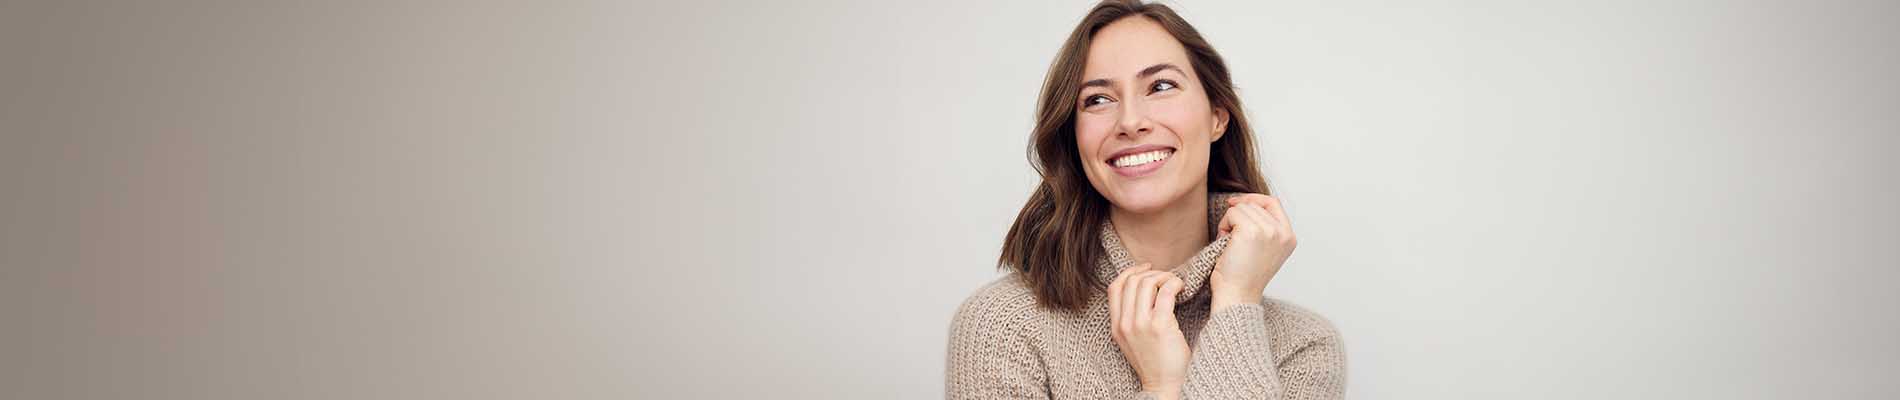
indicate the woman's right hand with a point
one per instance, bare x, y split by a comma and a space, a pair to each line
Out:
1141, 320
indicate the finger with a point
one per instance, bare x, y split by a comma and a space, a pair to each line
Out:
1269, 228
1144, 303
1260, 216
1164, 298
1275, 226
1260, 206
1247, 216
1274, 207
1115, 291
1265, 202
1130, 291
1282, 228
1278, 232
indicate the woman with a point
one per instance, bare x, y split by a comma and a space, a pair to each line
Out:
1147, 161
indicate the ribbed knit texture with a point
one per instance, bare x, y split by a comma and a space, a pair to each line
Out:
1003, 346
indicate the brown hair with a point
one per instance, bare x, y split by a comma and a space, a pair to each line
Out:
1055, 239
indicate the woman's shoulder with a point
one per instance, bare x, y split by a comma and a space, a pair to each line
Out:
1004, 303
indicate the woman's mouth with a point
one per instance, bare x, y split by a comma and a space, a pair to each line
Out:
1140, 162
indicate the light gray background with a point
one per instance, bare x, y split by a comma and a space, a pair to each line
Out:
406, 200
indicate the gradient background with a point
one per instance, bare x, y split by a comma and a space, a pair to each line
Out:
413, 200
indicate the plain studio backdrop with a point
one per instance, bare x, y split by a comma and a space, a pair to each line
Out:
399, 200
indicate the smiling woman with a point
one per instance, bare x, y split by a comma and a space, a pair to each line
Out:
1146, 160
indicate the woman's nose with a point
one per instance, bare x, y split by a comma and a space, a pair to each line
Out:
1134, 119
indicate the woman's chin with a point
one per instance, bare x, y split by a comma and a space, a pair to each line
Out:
1143, 200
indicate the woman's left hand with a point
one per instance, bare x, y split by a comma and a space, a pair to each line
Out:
1261, 241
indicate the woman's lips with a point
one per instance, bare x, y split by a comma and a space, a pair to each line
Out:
1142, 163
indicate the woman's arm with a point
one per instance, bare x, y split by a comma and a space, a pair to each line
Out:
1235, 356
1234, 360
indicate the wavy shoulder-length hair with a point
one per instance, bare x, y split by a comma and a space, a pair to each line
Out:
1055, 240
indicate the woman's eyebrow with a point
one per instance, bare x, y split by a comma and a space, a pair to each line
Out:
1157, 68
1145, 72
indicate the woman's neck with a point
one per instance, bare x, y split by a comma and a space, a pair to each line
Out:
1167, 237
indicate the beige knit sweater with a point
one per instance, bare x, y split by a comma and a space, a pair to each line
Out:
1003, 346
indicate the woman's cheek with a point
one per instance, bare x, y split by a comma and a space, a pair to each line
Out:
1088, 130
1170, 112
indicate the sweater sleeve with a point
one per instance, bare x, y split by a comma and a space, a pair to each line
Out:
1236, 361
990, 353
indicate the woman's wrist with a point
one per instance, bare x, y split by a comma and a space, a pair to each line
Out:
1222, 300
1166, 393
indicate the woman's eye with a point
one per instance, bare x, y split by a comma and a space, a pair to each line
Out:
1161, 85
1094, 100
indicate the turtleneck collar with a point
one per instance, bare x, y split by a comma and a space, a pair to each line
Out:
1194, 272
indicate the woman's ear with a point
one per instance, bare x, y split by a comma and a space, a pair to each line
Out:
1220, 123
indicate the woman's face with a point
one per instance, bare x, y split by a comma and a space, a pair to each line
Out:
1143, 124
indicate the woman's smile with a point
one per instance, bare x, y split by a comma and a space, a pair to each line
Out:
1139, 161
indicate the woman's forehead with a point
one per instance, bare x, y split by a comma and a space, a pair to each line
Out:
1124, 47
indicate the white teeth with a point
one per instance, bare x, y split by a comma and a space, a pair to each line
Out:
1141, 158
